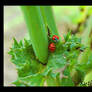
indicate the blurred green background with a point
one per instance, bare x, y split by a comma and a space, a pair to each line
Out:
66, 17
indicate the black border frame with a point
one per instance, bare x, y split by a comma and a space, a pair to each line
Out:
30, 2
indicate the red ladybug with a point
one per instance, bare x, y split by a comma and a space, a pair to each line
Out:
52, 47
55, 38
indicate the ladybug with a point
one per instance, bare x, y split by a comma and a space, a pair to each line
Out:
52, 47
55, 38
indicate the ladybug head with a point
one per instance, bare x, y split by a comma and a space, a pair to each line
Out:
55, 38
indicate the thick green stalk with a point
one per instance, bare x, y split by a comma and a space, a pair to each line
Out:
86, 39
49, 19
37, 31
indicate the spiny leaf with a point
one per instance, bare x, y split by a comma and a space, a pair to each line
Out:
15, 45
24, 59
32, 80
51, 78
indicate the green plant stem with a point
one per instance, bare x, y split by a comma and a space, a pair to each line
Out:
49, 19
37, 31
